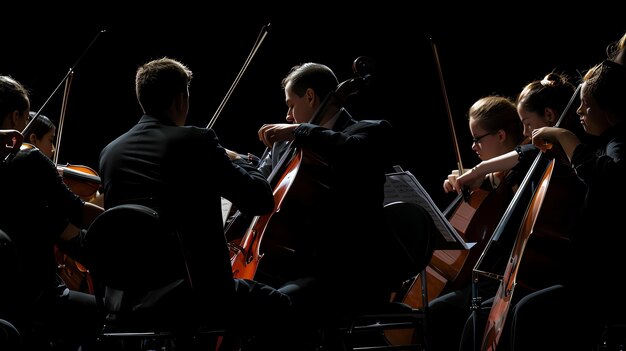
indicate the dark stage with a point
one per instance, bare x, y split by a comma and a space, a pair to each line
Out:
483, 54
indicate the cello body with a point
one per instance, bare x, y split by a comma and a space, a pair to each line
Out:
281, 234
542, 241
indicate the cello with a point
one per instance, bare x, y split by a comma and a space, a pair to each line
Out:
540, 238
296, 166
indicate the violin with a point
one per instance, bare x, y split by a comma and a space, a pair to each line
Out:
82, 180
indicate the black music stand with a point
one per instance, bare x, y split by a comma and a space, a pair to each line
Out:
403, 186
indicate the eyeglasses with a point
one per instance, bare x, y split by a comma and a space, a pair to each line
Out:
477, 139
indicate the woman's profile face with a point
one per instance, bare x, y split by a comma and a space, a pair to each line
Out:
592, 117
531, 120
45, 144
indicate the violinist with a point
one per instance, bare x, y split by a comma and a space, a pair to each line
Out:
38, 212
496, 127
164, 164
344, 258
42, 134
576, 311
540, 103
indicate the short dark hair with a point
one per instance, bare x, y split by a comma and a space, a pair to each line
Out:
312, 75
158, 82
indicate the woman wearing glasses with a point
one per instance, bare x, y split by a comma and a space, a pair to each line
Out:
496, 129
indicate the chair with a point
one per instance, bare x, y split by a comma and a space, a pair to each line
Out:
414, 230
139, 267
10, 271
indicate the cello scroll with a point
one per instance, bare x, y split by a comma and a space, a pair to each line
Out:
362, 67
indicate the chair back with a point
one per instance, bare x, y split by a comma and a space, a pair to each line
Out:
138, 263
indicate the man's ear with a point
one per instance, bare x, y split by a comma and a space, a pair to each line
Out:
180, 102
310, 96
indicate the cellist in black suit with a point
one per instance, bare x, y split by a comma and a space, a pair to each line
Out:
343, 258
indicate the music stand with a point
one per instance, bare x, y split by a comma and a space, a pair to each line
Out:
403, 186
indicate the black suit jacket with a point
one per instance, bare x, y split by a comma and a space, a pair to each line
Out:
183, 172
333, 214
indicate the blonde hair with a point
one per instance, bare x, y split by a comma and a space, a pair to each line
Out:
613, 49
494, 113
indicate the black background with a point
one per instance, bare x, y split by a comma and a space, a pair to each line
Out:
483, 53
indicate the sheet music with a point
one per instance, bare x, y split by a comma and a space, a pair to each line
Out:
226, 205
403, 186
